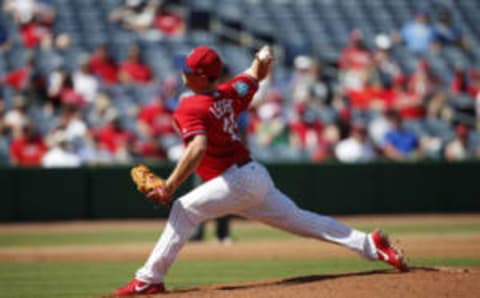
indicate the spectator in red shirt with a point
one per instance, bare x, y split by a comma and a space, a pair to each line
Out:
307, 134
465, 82
103, 66
355, 55
28, 149
409, 105
34, 18
151, 149
115, 138
364, 99
474, 84
422, 82
307, 123
133, 70
32, 34
19, 79
155, 120
169, 22
422, 86
354, 62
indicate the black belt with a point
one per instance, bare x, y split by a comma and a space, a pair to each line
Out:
243, 162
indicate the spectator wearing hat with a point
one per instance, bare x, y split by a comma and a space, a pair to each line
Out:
388, 69
304, 77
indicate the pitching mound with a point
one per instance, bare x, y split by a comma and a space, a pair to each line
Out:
418, 283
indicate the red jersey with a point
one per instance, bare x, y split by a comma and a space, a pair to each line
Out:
104, 68
28, 152
138, 72
157, 118
114, 139
215, 114
18, 79
354, 58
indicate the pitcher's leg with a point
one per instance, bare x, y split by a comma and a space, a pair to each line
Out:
177, 231
280, 211
210, 200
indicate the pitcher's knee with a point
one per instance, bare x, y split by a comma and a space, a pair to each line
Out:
179, 209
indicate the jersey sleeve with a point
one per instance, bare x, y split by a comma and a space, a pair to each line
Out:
242, 89
190, 121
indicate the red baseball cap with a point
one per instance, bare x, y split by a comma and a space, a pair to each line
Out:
202, 60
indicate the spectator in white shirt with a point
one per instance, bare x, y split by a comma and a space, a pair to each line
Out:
85, 83
17, 118
72, 124
356, 148
60, 154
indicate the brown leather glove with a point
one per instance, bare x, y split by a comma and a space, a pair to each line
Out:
145, 180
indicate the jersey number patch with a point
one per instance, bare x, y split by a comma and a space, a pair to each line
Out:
223, 109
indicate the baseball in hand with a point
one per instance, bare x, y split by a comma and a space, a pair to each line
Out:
265, 53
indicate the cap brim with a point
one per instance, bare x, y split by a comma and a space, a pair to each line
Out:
180, 62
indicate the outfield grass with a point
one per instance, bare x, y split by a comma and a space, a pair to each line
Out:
93, 279
244, 233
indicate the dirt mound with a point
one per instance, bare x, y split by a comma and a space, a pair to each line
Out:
420, 282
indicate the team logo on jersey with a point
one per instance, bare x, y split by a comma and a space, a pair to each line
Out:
242, 88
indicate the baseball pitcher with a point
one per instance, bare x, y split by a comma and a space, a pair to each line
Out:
235, 183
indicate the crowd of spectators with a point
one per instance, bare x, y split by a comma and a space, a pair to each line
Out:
363, 108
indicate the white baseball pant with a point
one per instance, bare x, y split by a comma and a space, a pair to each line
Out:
247, 191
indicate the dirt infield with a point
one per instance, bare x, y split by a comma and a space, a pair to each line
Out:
419, 283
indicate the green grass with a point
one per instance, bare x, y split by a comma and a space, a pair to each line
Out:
244, 233
96, 278
79, 238
93, 279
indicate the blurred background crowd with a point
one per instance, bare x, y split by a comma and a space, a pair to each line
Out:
86, 82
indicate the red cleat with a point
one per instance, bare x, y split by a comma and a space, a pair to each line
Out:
387, 252
137, 287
